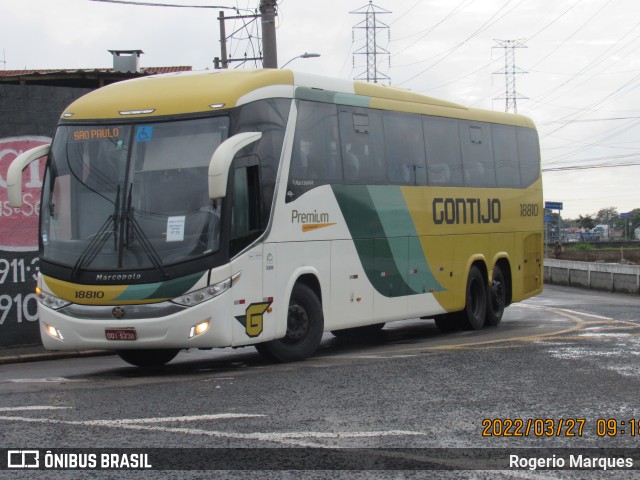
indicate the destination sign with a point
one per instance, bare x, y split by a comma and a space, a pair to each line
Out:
96, 133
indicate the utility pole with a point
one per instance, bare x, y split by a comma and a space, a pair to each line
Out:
269, 54
269, 47
510, 71
223, 42
371, 49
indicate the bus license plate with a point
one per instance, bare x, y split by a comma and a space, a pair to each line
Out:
120, 333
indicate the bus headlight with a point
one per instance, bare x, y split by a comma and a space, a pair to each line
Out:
198, 296
50, 301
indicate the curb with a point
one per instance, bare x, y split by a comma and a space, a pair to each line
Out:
50, 355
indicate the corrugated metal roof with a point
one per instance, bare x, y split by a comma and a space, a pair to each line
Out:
147, 70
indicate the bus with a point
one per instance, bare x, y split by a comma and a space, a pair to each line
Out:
265, 207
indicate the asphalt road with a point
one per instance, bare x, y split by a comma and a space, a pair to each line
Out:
566, 355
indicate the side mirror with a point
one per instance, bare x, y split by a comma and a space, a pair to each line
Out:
14, 174
221, 161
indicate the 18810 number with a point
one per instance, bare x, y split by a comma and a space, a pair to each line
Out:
528, 209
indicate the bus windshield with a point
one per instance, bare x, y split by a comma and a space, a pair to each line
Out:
128, 197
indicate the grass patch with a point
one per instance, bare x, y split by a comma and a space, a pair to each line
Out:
582, 247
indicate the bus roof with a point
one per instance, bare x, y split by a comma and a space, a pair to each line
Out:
201, 92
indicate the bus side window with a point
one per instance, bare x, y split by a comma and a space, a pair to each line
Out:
315, 159
269, 117
529, 154
444, 162
404, 143
477, 154
361, 135
505, 152
246, 223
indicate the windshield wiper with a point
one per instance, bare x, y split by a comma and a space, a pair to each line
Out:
100, 238
142, 238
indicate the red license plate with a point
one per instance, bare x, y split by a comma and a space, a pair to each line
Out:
120, 333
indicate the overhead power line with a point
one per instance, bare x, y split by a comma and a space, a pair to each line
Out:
493, 19
155, 4
589, 167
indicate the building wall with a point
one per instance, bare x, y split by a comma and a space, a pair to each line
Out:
28, 116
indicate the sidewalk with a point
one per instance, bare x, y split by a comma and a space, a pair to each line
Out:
37, 353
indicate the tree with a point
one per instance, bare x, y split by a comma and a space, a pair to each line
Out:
587, 222
608, 216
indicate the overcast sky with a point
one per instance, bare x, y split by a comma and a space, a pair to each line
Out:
582, 59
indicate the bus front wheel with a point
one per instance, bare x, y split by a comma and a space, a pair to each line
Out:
148, 358
474, 313
305, 324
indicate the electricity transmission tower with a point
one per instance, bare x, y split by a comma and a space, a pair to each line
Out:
510, 71
372, 25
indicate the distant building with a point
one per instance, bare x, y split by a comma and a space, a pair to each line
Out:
126, 65
602, 230
30, 107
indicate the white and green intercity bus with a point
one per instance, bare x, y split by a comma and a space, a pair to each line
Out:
264, 207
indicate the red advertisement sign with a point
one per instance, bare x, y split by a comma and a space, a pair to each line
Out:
19, 226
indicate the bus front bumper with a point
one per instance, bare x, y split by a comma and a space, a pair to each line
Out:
201, 326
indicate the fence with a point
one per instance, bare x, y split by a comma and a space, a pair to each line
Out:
610, 277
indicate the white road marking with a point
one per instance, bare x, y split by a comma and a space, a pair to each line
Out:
44, 380
377, 357
543, 307
600, 317
287, 438
191, 418
31, 407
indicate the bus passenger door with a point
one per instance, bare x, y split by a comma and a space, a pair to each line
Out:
249, 306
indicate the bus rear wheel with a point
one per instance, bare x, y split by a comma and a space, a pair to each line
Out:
148, 358
474, 314
305, 325
496, 297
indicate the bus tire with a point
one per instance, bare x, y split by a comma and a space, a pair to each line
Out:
305, 325
446, 323
496, 298
148, 358
475, 310
365, 332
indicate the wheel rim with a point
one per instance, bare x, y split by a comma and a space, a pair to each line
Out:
297, 325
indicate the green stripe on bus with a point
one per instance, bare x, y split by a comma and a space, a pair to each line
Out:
328, 96
385, 258
169, 289
405, 244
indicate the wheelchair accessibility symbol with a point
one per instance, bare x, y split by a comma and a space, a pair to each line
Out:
144, 133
